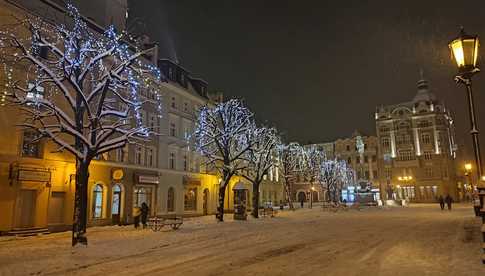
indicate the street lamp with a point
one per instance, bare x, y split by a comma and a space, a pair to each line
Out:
311, 197
465, 52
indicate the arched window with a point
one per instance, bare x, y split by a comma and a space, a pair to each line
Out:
116, 203
98, 201
170, 200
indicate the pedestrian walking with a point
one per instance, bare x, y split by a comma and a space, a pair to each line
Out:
476, 205
144, 214
448, 201
301, 202
136, 216
441, 200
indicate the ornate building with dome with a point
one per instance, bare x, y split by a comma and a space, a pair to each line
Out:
416, 148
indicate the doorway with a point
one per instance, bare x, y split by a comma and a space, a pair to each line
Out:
56, 208
206, 202
301, 197
116, 205
26, 212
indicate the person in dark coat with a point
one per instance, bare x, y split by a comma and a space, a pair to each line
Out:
144, 214
301, 202
441, 200
448, 201
136, 216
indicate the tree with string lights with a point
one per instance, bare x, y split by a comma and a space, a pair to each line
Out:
334, 175
79, 89
222, 136
289, 158
310, 162
260, 158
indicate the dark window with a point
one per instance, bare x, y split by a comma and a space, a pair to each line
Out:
31, 145
170, 200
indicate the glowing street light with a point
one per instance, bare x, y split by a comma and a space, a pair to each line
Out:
464, 50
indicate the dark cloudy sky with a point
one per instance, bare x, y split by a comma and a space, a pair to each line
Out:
318, 69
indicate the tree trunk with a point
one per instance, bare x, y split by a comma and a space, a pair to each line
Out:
288, 194
220, 207
255, 211
80, 203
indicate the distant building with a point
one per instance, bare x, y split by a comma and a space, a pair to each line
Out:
360, 152
416, 148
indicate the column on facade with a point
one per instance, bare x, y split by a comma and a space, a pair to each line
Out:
416, 142
393, 144
436, 141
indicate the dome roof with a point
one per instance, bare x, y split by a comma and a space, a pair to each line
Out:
423, 95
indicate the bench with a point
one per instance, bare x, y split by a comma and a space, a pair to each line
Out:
268, 211
158, 222
334, 207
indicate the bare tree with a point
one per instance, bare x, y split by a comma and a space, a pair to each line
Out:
221, 136
260, 158
78, 89
289, 156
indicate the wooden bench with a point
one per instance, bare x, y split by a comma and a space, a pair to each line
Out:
334, 207
158, 222
268, 211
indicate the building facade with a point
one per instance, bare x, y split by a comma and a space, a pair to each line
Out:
360, 152
37, 184
416, 148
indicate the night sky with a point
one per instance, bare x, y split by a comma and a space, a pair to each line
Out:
317, 69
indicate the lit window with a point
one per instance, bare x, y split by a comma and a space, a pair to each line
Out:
190, 199
142, 195
35, 93
385, 142
98, 201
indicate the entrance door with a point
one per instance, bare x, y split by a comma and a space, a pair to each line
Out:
206, 201
301, 197
56, 208
27, 208
116, 204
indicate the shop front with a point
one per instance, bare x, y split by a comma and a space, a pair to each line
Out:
145, 191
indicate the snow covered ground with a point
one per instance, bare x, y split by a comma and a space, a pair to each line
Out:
419, 240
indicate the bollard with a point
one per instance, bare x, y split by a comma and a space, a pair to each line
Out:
481, 195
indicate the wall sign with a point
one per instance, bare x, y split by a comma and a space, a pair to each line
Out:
117, 174
149, 179
34, 175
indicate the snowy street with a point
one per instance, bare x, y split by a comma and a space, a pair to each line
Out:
419, 240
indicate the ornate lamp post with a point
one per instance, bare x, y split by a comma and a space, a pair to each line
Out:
465, 52
311, 196
468, 170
